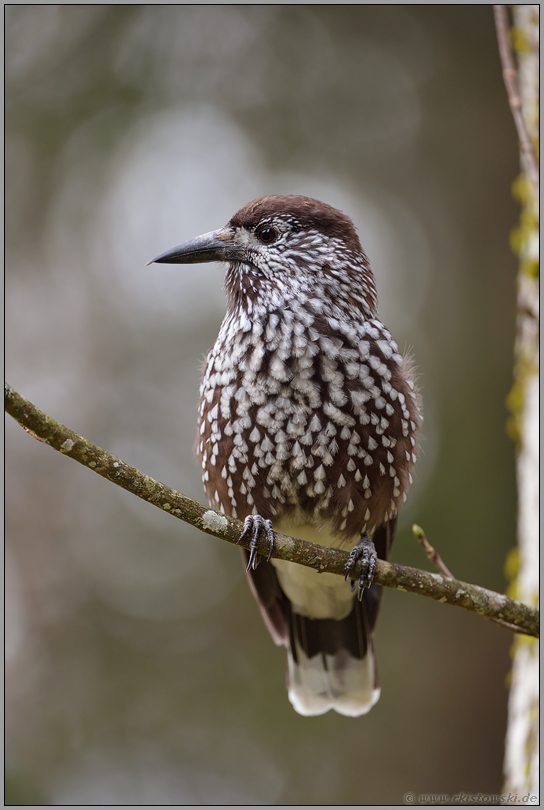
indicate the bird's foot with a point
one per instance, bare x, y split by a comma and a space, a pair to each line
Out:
366, 552
253, 525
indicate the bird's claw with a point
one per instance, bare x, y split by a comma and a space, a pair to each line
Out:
365, 551
253, 524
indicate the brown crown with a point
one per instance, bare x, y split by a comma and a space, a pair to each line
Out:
307, 212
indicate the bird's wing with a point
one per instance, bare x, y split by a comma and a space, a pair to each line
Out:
274, 605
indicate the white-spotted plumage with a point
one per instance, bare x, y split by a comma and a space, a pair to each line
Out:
308, 417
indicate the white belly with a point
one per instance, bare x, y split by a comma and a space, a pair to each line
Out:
318, 596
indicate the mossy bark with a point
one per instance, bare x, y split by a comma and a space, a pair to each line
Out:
519, 47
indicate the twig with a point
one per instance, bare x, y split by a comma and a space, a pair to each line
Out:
524, 619
431, 552
510, 75
437, 560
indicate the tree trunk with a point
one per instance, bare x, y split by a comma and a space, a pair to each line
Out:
521, 755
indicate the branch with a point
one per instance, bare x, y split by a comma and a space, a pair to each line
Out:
471, 597
437, 560
510, 76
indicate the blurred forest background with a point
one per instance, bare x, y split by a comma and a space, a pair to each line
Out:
134, 676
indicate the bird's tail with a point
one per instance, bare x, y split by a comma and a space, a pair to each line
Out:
331, 664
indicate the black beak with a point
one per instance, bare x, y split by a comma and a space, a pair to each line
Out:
215, 246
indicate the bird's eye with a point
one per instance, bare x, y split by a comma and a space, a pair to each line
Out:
267, 235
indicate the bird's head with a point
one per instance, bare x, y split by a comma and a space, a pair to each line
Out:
287, 251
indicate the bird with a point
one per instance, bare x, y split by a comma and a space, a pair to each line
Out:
309, 425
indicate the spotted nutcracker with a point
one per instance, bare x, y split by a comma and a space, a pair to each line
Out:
308, 424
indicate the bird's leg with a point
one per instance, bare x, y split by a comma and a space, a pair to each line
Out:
365, 551
254, 524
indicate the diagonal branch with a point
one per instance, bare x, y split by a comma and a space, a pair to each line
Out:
471, 597
437, 560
